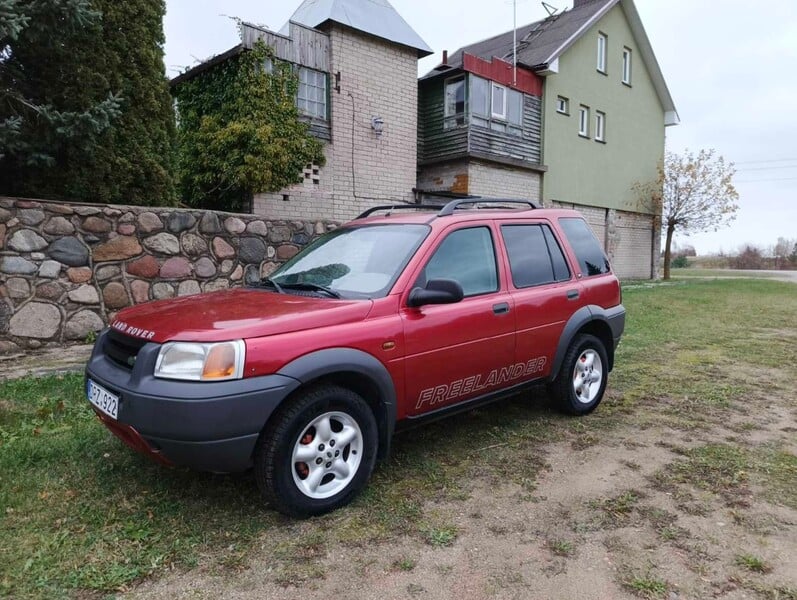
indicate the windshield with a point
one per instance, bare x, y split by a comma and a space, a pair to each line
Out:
354, 262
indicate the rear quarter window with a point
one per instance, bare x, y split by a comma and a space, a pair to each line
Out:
534, 256
586, 247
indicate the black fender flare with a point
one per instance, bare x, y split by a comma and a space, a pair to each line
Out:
591, 315
333, 361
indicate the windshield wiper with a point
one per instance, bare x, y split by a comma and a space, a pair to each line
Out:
269, 281
313, 287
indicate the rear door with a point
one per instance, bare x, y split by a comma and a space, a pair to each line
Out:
455, 352
545, 291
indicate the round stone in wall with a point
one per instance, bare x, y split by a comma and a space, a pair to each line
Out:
188, 288
119, 248
162, 290
251, 250
115, 295
59, 226
81, 324
180, 221
16, 265
204, 268
35, 320
234, 225
175, 268
49, 269
78, 274
26, 240
193, 245
222, 249
30, 216
85, 294
69, 251
257, 228
163, 243
96, 225
216, 285
209, 223
149, 222
140, 291
17, 288
146, 266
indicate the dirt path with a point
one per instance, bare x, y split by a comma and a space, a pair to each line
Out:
646, 511
47, 361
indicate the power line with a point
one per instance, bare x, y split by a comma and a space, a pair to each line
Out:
766, 180
765, 160
767, 168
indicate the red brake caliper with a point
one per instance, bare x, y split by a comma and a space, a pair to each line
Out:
301, 468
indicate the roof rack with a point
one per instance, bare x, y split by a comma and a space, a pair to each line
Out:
402, 206
449, 208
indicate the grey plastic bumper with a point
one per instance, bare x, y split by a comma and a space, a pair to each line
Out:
206, 426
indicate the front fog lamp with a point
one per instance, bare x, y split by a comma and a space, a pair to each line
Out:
201, 362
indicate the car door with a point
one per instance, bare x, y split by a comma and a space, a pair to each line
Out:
545, 293
455, 352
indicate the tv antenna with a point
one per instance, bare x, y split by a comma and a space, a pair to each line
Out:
551, 10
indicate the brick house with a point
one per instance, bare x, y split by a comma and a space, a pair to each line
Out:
577, 122
341, 50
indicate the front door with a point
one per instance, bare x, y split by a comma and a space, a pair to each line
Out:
458, 351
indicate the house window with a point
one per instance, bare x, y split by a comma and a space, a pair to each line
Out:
498, 101
600, 126
454, 102
603, 42
562, 105
268, 65
583, 121
500, 110
627, 66
312, 96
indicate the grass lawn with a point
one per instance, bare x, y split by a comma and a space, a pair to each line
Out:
80, 512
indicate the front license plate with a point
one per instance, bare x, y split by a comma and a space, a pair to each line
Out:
102, 399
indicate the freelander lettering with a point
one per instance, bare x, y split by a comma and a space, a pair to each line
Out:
134, 331
461, 387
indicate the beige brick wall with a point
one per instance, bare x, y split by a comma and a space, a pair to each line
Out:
491, 180
377, 78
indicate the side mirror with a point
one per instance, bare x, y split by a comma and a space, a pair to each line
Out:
437, 291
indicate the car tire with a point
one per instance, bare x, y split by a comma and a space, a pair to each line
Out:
579, 387
317, 453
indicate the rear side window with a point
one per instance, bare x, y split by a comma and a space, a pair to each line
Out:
584, 243
534, 256
467, 256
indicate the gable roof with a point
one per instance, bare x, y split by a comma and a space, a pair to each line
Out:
375, 17
540, 44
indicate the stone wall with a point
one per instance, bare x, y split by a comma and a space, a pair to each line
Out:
66, 269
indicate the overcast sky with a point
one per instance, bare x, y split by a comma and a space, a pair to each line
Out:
731, 67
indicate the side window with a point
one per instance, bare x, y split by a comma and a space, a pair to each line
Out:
467, 256
588, 251
534, 256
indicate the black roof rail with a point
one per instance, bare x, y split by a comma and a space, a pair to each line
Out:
449, 208
402, 206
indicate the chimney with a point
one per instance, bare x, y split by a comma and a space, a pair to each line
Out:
445, 57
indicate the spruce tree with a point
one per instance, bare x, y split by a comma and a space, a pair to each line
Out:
117, 49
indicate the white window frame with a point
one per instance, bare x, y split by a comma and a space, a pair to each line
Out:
600, 126
562, 105
314, 101
627, 55
603, 45
583, 121
494, 113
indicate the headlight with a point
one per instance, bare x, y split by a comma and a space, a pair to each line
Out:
201, 362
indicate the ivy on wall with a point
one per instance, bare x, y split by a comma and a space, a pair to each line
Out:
239, 131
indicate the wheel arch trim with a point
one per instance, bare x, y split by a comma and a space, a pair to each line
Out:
333, 361
587, 316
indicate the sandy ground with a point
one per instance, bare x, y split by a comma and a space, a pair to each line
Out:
569, 538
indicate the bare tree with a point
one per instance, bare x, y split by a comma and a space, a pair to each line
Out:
782, 252
693, 192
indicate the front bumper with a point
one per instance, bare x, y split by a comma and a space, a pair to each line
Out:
205, 426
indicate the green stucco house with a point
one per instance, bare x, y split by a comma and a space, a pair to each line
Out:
574, 115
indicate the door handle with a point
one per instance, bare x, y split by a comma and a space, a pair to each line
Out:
501, 309
572, 294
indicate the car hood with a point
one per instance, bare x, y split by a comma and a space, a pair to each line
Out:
235, 314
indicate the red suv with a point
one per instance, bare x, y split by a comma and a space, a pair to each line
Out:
386, 321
